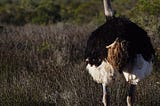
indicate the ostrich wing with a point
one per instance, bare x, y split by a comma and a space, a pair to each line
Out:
118, 54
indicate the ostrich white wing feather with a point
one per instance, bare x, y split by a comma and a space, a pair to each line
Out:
104, 73
141, 68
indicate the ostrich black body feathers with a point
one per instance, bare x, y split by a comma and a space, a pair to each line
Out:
137, 41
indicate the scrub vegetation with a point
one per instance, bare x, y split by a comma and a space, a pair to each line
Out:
42, 45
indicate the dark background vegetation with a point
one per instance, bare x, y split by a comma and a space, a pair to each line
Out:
42, 45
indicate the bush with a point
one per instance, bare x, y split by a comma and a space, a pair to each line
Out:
47, 12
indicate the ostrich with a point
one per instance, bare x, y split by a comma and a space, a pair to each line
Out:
118, 46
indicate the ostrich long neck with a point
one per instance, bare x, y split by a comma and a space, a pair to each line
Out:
108, 8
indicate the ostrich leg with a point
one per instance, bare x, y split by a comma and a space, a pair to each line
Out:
130, 97
106, 96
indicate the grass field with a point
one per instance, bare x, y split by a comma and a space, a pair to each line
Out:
43, 66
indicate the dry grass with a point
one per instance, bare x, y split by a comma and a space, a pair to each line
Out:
43, 65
